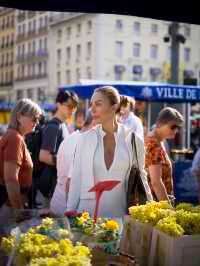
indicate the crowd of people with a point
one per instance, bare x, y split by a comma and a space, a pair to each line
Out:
106, 142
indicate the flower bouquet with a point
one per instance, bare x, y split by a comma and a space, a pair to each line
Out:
103, 232
107, 235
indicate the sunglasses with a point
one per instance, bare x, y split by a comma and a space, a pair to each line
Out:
175, 127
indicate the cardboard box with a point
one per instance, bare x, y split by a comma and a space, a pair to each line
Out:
136, 240
169, 251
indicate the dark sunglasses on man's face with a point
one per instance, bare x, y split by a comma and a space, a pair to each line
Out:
175, 127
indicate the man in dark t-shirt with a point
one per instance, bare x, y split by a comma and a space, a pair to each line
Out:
52, 136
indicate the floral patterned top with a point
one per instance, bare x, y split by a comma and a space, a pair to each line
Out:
156, 154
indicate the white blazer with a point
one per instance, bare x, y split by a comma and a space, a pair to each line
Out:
82, 174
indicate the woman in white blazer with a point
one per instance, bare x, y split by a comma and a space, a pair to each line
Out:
103, 153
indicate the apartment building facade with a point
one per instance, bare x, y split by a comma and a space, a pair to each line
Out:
31, 50
7, 39
116, 47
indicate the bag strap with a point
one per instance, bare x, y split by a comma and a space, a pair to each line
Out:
135, 147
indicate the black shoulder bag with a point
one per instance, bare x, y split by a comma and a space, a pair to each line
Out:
136, 193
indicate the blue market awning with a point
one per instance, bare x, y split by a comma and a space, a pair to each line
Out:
10, 105
154, 92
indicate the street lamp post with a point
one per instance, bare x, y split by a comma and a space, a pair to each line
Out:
176, 38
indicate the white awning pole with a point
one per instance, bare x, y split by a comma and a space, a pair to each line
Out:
148, 116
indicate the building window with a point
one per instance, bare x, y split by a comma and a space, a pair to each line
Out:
136, 49
45, 67
68, 76
41, 23
118, 75
45, 44
118, 72
7, 41
89, 26
78, 30
8, 22
137, 72
40, 68
187, 31
40, 44
154, 28
58, 78
19, 30
154, 51
11, 58
33, 47
29, 70
20, 94
34, 25
136, 27
154, 73
30, 26
41, 94
12, 21
33, 69
59, 35
78, 52
24, 29
12, 38
187, 54
23, 50
89, 73
58, 57
89, 50
18, 72
68, 54
119, 48
119, 24
46, 21
30, 93
22, 71
68, 32
78, 74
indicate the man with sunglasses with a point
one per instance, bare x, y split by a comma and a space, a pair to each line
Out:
52, 136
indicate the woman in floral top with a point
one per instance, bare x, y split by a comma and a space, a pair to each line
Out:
157, 162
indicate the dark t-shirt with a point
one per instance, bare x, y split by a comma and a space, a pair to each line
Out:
52, 136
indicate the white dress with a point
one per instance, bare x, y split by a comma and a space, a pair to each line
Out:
64, 160
112, 203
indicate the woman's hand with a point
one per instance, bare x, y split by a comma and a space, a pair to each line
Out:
155, 172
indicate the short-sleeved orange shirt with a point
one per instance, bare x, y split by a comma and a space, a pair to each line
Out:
156, 154
13, 149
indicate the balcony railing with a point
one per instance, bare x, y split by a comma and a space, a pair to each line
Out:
42, 53
42, 75
31, 77
7, 83
21, 37
21, 17
31, 33
21, 58
43, 29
